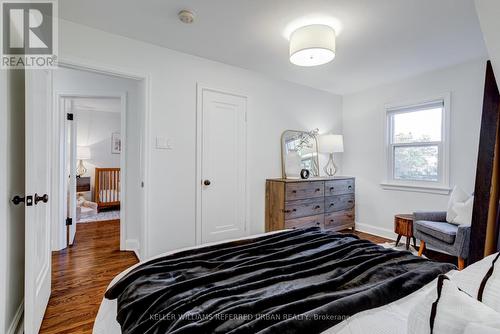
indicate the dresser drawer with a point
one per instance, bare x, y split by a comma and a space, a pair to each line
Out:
339, 187
305, 207
339, 203
340, 219
301, 190
305, 222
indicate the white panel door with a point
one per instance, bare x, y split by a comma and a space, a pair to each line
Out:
223, 166
37, 211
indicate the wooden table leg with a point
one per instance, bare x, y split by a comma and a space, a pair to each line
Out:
397, 240
461, 263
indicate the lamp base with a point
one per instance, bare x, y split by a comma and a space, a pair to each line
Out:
80, 170
330, 168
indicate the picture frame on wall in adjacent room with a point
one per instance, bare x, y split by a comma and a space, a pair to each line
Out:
116, 143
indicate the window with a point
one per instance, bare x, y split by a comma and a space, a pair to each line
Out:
417, 144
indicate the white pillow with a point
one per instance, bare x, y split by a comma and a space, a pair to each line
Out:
464, 212
491, 282
457, 196
455, 310
469, 279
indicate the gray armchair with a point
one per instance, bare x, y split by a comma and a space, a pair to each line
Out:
431, 228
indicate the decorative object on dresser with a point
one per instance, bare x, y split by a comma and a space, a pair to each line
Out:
403, 226
299, 150
82, 153
304, 174
324, 202
331, 144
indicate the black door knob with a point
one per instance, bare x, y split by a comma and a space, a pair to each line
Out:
207, 182
44, 198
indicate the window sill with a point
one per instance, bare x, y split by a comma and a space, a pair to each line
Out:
420, 188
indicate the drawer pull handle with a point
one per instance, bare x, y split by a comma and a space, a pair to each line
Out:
332, 204
317, 207
350, 201
332, 221
288, 211
318, 190
349, 216
294, 191
350, 187
332, 188
318, 223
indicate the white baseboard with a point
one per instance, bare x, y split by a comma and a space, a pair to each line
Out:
17, 324
375, 230
133, 245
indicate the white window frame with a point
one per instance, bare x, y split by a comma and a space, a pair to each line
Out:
442, 186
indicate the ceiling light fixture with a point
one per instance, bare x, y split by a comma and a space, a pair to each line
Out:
312, 45
186, 16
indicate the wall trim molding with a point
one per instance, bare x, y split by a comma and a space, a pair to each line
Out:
132, 245
375, 230
416, 188
17, 324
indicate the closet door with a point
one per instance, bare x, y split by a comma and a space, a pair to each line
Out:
223, 166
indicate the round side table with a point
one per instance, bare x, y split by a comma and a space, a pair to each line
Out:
403, 226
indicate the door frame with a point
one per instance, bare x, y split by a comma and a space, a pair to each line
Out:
200, 88
145, 154
59, 216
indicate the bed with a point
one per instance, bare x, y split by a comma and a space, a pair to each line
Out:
378, 284
107, 188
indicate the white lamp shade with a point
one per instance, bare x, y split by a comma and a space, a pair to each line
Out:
83, 153
312, 45
331, 143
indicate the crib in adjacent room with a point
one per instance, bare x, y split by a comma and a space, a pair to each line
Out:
107, 188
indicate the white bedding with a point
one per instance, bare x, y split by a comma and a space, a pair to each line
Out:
388, 319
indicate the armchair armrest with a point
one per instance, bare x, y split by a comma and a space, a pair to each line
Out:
434, 216
462, 240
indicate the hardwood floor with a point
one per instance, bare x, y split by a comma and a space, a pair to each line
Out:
80, 276
373, 238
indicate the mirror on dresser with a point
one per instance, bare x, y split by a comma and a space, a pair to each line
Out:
299, 150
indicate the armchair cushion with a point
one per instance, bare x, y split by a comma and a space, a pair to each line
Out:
440, 230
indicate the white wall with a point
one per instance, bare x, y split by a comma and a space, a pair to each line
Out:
11, 183
364, 126
71, 81
488, 12
94, 129
273, 106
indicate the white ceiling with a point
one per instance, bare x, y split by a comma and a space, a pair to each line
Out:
379, 41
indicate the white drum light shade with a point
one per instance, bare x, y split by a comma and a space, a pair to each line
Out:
331, 143
83, 153
312, 45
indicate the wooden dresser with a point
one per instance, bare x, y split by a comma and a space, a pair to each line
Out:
324, 202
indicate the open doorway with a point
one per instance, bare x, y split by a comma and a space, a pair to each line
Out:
97, 191
99, 173
93, 159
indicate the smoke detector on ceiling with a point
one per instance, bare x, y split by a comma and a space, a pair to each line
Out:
186, 16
